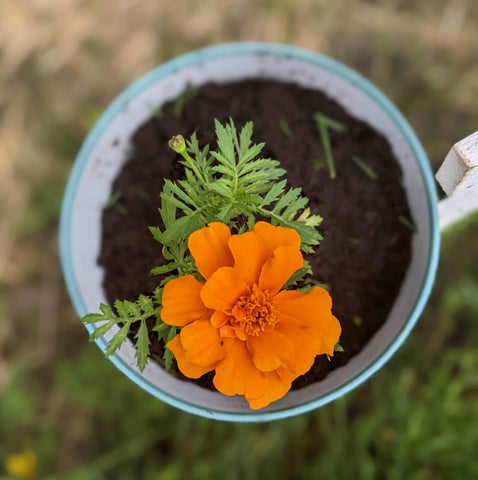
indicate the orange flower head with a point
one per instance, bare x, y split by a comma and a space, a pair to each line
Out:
239, 322
255, 312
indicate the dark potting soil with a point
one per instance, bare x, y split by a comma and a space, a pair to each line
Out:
367, 227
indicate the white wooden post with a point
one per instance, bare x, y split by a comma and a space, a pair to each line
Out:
458, 176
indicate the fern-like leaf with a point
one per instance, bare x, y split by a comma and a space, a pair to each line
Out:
128, 313
142, 345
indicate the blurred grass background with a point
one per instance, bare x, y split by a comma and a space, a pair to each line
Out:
61, 63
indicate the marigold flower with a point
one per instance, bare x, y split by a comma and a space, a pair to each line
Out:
238, 322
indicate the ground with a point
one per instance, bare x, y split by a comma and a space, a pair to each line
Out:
61, 63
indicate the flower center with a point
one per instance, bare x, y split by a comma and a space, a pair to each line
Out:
255, 312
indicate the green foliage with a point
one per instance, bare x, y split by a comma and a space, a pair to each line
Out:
325, 123
229, 184
364, 167
284, 126
46, 189
142, 344
22, 425
166, 333
299, 275
128, 314
338, 348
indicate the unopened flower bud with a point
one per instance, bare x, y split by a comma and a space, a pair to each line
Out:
177, 144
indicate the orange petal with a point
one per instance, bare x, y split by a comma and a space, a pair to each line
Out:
306, 342
330, 334
278, 269
202, 343
218, 319
277, 388
240, 334
236, 373
313, 310
250, 253
209, 247
182, 303
307, 308
226, 331
185, 367
222, 289
277, 236
269, 350
286, 375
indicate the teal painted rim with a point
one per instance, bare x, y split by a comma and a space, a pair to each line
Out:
234, 50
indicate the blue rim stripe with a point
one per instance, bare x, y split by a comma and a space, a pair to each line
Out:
232, 50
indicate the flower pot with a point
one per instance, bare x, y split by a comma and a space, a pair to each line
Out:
106, 149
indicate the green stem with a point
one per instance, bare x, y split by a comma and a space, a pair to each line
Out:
193, 166
324, 137
268, 213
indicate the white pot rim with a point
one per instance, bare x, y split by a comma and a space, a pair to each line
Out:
215, 53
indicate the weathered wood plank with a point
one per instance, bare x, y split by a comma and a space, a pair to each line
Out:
458, 176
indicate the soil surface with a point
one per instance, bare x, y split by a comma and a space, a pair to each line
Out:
367, 227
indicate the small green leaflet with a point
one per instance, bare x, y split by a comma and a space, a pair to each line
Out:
142, 345
168, 354
166, 333
299, 275
118, 339
169, 267
338, 348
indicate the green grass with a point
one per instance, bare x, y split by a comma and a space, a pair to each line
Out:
409, 421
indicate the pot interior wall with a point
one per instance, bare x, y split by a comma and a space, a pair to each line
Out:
106, 156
